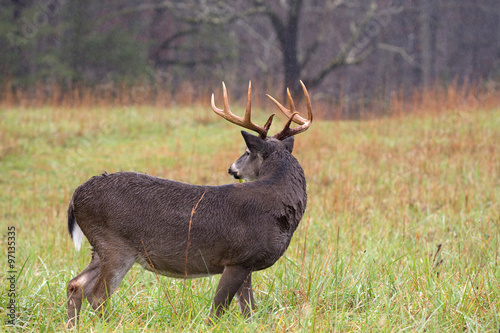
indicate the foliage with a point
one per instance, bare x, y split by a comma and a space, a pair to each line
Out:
68, 42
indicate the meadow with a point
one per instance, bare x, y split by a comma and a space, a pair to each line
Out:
401, 232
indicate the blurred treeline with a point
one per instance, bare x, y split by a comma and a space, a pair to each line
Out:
349, 50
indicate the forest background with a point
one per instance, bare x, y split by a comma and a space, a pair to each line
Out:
356, 57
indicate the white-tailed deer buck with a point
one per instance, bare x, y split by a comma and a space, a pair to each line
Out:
189, 231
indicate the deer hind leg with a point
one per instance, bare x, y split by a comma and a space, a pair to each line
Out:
112, 270
79, 287
245, 297
229, 284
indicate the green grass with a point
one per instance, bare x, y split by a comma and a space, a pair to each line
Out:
384, 195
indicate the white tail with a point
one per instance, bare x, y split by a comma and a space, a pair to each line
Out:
77, 236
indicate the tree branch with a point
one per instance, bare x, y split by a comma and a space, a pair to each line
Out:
166, 43
309, 52
187, 63
347, 54
169, 40
220, 12
399, 50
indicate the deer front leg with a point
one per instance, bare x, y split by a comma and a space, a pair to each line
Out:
245, 297
230, 282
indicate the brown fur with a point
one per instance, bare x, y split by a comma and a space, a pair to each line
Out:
236, 229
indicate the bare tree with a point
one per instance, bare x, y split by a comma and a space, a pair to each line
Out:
285, 18
296, 60
365, 23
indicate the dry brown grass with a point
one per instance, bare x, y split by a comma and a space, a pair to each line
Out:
436, 98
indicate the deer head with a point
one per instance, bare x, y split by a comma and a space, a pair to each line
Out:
248, 165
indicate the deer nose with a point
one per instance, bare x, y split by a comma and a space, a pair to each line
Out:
233, 173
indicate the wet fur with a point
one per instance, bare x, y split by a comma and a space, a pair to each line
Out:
236, 229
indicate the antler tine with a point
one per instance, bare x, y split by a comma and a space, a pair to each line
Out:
288, 113
268, 122
308, 103
294, 116
244, 121
249, 102
290, 100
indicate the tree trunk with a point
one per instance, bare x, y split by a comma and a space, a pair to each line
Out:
288, 37
426, 41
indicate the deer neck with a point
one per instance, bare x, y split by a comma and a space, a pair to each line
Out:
285, 178
282, 167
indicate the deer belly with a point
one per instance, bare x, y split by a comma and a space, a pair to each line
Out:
177, 272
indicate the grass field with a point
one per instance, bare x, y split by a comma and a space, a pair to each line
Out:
401, 232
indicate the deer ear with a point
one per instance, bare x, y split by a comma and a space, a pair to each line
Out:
288, 142
254, 143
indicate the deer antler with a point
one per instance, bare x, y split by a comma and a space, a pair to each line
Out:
294, 116
244, 121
